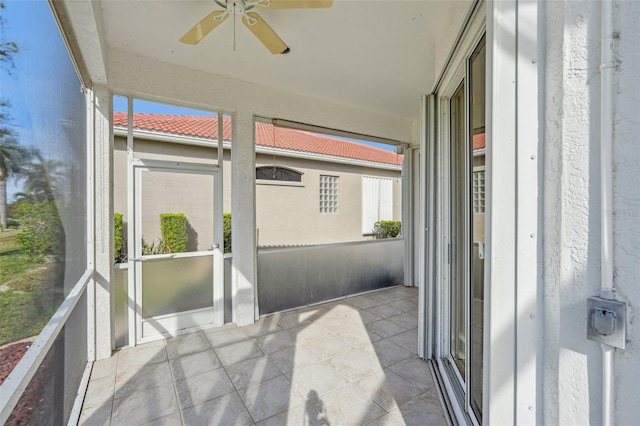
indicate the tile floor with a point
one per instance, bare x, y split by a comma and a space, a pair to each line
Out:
347, 362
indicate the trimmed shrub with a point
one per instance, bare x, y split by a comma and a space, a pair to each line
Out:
387, 229
227, 232
119, 249
173, 227
42, 233
148, 249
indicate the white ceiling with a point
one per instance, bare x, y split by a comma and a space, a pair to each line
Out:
374, 55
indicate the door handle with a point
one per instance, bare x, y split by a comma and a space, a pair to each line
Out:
480, 249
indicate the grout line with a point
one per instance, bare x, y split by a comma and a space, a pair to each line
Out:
113, 393
173, 380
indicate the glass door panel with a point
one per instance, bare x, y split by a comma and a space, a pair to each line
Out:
466, 214
457, 300
478, 185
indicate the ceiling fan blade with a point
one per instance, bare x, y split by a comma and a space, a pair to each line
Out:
296, 4
265, 34
204, 27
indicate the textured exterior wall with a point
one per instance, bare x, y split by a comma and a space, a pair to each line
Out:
285, 215
571, 378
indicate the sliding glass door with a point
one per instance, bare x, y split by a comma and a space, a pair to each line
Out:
462, 115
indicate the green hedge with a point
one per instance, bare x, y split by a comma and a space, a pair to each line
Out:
42, 233
173, 227
119, 249
227, 232
387, 229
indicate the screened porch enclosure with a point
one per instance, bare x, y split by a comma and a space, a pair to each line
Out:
172, 185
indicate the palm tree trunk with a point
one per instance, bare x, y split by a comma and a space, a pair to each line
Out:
3, 203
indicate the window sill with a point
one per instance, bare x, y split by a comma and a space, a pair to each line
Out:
279, 183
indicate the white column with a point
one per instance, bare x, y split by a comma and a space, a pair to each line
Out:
500, 266
103, 219
243, 220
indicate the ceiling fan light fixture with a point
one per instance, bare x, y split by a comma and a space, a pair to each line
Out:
251, 20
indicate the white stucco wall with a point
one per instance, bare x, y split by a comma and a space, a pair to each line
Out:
571, 385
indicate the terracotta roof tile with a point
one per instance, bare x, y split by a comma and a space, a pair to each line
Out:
479, 141
289, 139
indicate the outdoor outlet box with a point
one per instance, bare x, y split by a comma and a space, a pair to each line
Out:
606, 321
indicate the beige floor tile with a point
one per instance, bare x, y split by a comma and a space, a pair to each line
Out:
224, 336
347, 405
341, 307
416, 371
265, 325
292, 358
316, 379
351, 385
305, 414
97, 415
100, 391
386, 420
328, 346
404, 305
388, 353
252, 371
308, 332
129, 382
143, 407
236, 352
355, 364
384, 296
356, 319
311, 313
270, 398
288, 320
140, 356
406, 320
388, 389
358, 336
105, 367
187, 344
384, 311
407, 339
362, 302
194, 364
385, 328
334, 322
203, 387
172, 419
275, 342
424, 410
225, 410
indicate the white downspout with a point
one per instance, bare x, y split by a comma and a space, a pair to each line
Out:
606, 193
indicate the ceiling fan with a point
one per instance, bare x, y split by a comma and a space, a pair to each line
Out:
250, 19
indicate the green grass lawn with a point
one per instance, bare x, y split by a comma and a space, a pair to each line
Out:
27, 300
